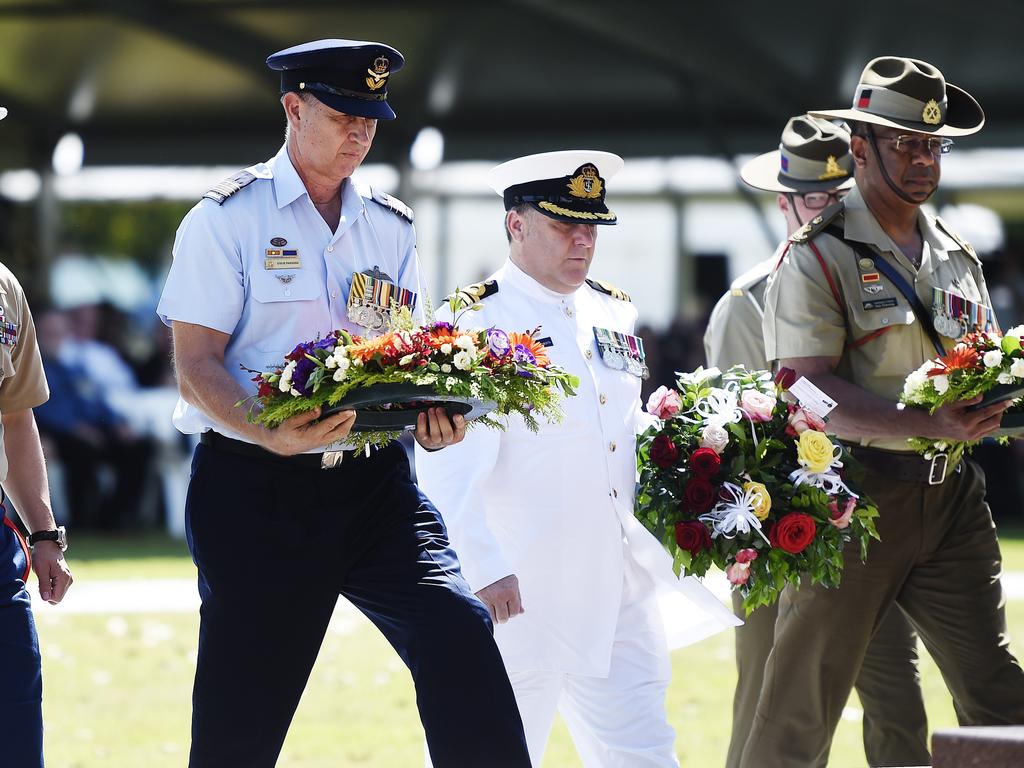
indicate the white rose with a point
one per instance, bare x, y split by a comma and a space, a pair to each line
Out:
941, 383
1018, 332
407, 359
466, 343
445, 368
715, 438
344, 363
1017, 367
446, 349
993, 359
463, 360
285, 383
1005, 378
340, 374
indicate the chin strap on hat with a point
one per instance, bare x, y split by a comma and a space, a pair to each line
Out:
885, 172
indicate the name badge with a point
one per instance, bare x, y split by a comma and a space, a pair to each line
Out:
282, 258
880, 303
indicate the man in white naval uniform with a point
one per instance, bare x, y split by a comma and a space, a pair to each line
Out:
543, 523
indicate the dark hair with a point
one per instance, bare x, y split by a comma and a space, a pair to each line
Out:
521, 210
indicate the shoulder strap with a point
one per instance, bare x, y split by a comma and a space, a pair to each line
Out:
228, 187
923, 315
818, 224
392, 203
475, 293
602, 287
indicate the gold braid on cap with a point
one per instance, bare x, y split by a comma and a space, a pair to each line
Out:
575, 214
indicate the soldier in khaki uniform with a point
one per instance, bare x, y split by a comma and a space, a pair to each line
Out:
847, 308
811, 169
23, 475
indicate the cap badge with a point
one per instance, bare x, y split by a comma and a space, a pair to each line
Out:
586, 183
932, 113
378, 76
832, 170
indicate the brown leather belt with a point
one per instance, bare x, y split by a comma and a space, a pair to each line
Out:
324, 460
906, 467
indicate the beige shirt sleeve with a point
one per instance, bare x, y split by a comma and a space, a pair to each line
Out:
733, 336
801, 315
24, 384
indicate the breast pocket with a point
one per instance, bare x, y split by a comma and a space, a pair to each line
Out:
286, 309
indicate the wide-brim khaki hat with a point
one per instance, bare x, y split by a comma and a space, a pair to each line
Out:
813, 156
911, 94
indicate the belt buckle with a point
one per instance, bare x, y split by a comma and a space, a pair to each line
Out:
331, 459
936, 471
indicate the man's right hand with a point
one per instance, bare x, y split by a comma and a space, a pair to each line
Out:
502, 599
955, 422
303, 432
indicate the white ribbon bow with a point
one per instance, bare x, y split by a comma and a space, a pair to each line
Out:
829, 481
734, 514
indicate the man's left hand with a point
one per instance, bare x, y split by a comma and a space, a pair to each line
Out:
434, 430
52, 571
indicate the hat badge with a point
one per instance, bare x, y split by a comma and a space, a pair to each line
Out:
379, 74
832, 170
932, 113
586, 183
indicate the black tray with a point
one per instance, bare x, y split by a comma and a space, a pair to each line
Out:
1011, 425
998, 393
371, 417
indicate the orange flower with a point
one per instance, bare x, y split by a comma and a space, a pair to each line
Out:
364, 350
535, 347
960, 358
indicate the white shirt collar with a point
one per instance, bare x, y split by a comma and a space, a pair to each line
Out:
288, 187
518, 278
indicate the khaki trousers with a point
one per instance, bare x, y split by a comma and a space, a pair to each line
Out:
889, 686
939, 561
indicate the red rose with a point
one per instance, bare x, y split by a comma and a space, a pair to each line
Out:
785, 378
699, 495
693, 536
663, 451
705, 463
793, 532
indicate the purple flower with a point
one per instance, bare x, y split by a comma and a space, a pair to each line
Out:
497, 342
442, 326
328, 342
523, 355
303, 369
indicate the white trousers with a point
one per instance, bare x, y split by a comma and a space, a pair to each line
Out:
617, 721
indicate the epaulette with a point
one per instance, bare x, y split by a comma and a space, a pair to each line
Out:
475, 293
228, 187
811, 229
611, 290
392, 203
964, 245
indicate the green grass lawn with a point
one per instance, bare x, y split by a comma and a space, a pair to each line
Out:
117, 687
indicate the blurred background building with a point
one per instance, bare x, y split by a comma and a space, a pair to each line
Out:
124, 112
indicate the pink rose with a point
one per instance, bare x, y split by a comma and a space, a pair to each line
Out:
746, 556
738, 573
664, 403
757, 405
800, 420
841, 519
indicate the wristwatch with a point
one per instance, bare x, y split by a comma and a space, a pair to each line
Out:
60, 536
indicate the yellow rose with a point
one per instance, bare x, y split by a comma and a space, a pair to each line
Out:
760, 500
814, 451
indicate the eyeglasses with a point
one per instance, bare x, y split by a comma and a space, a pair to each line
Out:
911, 145
815, 201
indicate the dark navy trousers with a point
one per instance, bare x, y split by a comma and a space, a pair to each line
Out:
275, 545
21, 679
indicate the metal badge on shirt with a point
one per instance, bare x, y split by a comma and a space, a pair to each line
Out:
374, 296
955, 316
622, 351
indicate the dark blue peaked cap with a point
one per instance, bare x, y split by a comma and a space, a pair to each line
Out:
349, 76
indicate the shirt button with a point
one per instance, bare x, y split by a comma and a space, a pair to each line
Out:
885, 321
568, 311
287, 291
330, 248
611, 447
334, 294
604, 400
588, 354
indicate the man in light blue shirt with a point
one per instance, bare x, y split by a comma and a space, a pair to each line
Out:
267, 260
